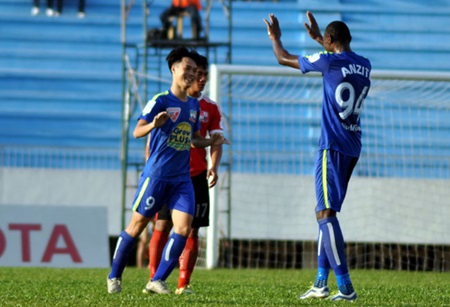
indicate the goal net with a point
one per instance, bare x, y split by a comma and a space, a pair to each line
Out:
396, 212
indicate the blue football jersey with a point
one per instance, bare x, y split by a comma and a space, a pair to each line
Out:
170, 144
346, 83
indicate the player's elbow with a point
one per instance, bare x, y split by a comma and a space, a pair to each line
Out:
137, 134
281, 61
288, 61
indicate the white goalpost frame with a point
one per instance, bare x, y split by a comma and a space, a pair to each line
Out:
212, 232
216, 73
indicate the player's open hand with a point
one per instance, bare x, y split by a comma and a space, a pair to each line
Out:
160, 119
273, 27
313, 28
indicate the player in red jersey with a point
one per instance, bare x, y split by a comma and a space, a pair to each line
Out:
210, 122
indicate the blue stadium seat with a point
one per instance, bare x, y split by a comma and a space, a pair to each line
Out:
63, 76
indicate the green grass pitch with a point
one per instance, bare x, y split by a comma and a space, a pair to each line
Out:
219, 287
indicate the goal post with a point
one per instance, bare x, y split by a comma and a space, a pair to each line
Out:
395, 215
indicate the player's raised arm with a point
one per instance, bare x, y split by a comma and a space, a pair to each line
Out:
282, 55
313, 28
143, 127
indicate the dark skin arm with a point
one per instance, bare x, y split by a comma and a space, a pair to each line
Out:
274, 32
313, 28
282, 55
291, 60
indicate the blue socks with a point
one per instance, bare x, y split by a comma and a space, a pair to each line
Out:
344, 284
169, 259
125, 245
321, 278
332, 247
334, 244
324, 265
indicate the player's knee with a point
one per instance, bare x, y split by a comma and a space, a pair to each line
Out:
323, 214
182, 230
137, 225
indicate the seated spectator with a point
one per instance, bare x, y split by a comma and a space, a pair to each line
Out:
35, 9
81, 6
59, 5
177, 7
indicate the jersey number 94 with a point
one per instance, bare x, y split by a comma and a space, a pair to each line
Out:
350, 105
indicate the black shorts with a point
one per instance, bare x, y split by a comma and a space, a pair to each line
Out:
201, 191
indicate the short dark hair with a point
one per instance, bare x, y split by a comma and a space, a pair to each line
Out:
177, 54
200, 60
339, 31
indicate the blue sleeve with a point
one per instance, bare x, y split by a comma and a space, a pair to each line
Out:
152, 108
315, 62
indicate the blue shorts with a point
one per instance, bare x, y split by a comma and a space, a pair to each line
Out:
152, 194
333, 172
201, 191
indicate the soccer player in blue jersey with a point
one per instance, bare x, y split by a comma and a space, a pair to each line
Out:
346, 82
203, 178
172, 119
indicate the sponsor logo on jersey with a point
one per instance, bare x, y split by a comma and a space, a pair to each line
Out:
204, 115
173, 113
180, 137
315, 57
193, 116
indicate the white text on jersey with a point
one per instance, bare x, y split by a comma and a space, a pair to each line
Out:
355, 69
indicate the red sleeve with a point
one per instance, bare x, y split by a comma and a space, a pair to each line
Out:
216, 119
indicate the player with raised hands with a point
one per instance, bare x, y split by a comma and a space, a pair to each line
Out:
346, 83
